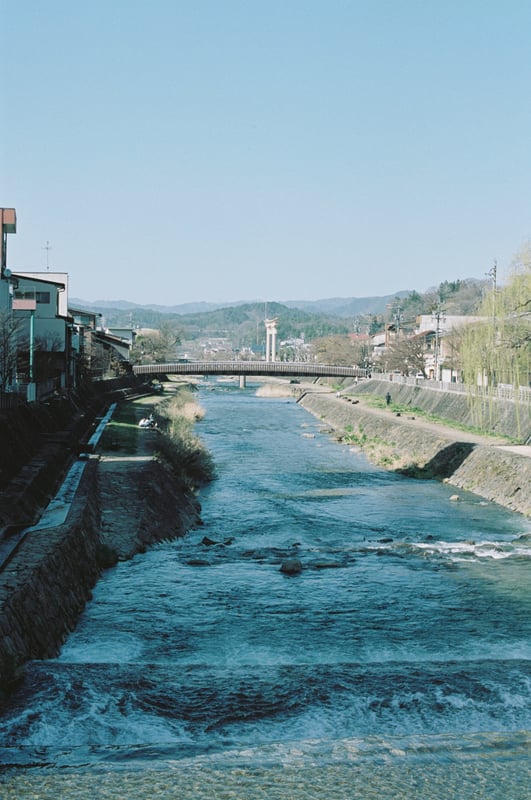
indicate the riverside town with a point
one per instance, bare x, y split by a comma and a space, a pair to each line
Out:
265, 550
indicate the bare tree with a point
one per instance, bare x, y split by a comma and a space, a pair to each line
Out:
158, 346
340, 350
9, 331
406, 354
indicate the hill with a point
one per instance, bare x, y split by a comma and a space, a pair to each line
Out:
243, 321
347, 306
342, 307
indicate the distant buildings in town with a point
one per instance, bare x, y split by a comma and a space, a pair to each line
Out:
47, 346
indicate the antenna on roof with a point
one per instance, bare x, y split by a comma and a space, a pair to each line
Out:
47, 247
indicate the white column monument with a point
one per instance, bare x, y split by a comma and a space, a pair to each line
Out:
271, 339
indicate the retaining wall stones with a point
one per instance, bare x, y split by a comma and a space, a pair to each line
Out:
49, 578
497, 416
498, 475
47, 582
494, 473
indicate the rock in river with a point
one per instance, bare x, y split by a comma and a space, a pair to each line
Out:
291, 566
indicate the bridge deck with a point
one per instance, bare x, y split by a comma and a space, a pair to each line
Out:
259, 368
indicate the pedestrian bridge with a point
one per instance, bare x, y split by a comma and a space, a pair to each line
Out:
291, 369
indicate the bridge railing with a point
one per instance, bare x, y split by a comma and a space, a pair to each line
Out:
259, 368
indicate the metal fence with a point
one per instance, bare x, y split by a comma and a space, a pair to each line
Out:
11, 400
519, 394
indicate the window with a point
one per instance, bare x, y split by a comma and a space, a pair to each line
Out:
42, 297
30, 294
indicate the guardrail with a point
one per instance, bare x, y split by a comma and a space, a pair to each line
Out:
261, 368
520, 394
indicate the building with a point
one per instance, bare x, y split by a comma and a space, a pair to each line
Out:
431, 350
45, 346
440, 358
40, 313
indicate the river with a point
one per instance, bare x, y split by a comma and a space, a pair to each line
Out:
397, 664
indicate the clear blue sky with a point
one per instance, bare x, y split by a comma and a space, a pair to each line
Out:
225, 150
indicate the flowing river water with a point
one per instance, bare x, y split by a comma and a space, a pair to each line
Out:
397, 664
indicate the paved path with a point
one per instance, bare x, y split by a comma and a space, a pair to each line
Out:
520, 449
405, 418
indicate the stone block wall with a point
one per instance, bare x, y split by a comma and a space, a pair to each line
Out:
498, 416
47, 582
492, 472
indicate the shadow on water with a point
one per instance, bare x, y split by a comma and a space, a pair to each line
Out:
443, 464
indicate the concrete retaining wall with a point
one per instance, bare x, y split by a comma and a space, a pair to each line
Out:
494, 473
47, 582
497, 416
49, 578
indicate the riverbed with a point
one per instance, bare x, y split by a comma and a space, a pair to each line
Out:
396, 664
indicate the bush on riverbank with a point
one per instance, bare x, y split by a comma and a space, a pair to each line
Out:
186, 454
189, 460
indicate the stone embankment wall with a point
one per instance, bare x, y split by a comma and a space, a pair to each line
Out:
143, 502
47, 582
500, 417
38, 443
49, 577
491, 472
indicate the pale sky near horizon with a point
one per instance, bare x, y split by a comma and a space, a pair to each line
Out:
175, 152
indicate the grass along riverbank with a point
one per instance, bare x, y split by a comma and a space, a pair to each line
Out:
481, 464
148, 477
374, 401
175, 413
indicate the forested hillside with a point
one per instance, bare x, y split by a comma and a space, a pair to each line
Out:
243, 322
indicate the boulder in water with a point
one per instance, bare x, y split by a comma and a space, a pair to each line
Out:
291, 566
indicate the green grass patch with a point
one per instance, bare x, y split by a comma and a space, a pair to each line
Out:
121, 433
176, 444
400, 408
353, 437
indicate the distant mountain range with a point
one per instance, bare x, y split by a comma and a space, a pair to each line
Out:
342, 307
347, 306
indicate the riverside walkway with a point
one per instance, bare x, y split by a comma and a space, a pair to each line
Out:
58, 508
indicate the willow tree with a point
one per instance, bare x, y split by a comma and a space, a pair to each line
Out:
498, 349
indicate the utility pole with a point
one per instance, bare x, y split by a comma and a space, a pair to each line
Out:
490, 366
437, 316
397, 316
492, 275
398, 320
